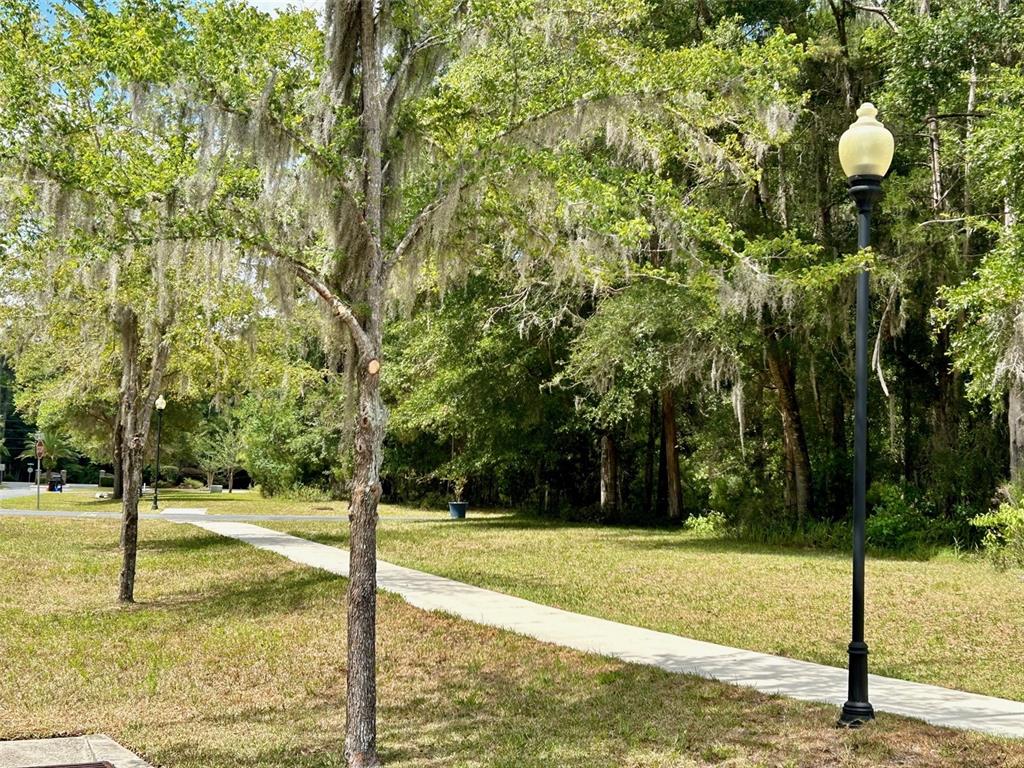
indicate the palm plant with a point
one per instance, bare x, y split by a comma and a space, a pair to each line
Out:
56, 448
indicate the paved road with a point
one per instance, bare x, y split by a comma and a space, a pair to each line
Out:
771, 674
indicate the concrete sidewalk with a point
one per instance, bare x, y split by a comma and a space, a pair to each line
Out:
233, 517
67, 750
69, 515
770, 674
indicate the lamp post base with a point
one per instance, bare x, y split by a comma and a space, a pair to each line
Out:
855, 714
857, 710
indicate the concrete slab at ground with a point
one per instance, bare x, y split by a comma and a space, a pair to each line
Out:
29, 753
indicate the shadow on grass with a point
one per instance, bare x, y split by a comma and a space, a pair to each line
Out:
632, 537
663, 537
246, 596
536, 707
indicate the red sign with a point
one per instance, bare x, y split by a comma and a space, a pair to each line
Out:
40, 449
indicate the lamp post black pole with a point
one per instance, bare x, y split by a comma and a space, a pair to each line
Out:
156, 481
865, 190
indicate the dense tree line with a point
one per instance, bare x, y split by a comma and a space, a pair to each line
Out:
710, 368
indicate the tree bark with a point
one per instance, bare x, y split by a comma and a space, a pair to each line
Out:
670, 456
4, 397
361, 705
839, 13
1015, 418
361, 736
136, 410
117, 492
609, 479
797, 457
131, 466
652, 436
934, 162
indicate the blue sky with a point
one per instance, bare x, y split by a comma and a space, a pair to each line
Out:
263, 5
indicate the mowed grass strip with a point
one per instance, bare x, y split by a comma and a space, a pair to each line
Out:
235, 657
954, 622
236, 503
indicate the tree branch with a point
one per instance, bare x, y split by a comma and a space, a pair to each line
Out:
329, 168
879, 11
419, 225
321, 289
391, 90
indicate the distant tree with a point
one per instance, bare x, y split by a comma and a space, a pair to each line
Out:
56, 448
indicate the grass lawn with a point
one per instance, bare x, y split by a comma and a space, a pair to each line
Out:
234, 657
947, 621
237, 503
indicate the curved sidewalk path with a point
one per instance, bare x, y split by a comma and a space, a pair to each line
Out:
770, 674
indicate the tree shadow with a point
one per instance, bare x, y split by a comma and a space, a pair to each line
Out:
537, 705
246, 596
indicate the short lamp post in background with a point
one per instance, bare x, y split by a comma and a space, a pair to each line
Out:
865, 152
40, 452
160, 404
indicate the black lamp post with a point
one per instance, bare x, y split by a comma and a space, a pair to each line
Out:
160, 405
865, 151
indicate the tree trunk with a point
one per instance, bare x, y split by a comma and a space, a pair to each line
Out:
231, 479
652, 436
934, 162
839, 13
361, 705
670, 456
361, 736
609, 479
798, 461
1015, 414
136, 411
4, 395
840, 480
117, 492
131, 459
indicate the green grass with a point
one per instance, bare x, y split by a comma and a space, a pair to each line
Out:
235, 658
948, 621
236, 503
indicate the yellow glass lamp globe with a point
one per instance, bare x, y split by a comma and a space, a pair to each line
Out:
866, 148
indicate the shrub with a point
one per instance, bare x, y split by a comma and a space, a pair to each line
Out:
711, 524
1003, 540
192, 484
897, 521
301, 492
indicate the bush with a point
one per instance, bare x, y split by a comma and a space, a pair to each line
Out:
711, 524
1003, 541
301, 492
813, 534
192, 484
898, 521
